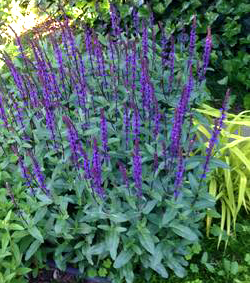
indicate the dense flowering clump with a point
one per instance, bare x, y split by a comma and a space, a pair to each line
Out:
102, 125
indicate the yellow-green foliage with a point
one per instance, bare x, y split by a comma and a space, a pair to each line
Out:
230, 187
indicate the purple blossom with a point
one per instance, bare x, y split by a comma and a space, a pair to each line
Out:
73, 140
171, 62
127, 65
59, 58
136, 124
192, 42
126, 123
164, 154
104, 132
157, 117
115, 20
135, 21
86, 163
216, 131
164, 54
2, 112
38, 173
153, 36
156, 161
179, 172
124, 173
137, 168
96, 171
144, 38
206, 55
133, 66
179, 115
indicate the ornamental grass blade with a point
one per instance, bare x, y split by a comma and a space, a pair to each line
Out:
241, 190
239, 154
222, 223
212, 191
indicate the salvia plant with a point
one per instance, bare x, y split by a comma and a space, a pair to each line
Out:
102, 134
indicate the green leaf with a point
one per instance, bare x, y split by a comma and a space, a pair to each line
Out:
147, 241
36, 233
223, 81
32, 249
183, 231
169, 215
17, 227
91, 132
112, 241
5, 237
149, 206
40, 214
123, 258
23, 270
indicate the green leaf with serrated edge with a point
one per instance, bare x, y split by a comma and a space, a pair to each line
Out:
123, 258
36, 233
183, 231
32, 249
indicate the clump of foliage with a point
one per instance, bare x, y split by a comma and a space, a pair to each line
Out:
231, 188
100, 129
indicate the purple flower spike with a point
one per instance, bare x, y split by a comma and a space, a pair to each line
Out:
38, 173
133, 66
206, 55
216, 131
144, 38
96, 171
171, 62
192, 42
3, 116
164, 54
73, 140
136, 21
180, 171
126, 122
124, 174
104, 132
115, 20
137, 168
156, 161
136, 124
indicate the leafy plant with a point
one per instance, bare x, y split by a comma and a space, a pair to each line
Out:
231, 188
104, 158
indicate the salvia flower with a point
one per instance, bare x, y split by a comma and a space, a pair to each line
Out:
38, 173
73, 140
171, 63
2, 112
96, 171
115, 20
192, 42
126, 123
179, 172
133, 66
137, 168
104, 132
164, 53
136, 21
216, 131
136, 124
144, 38
123, 171
156, 162
206, 54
